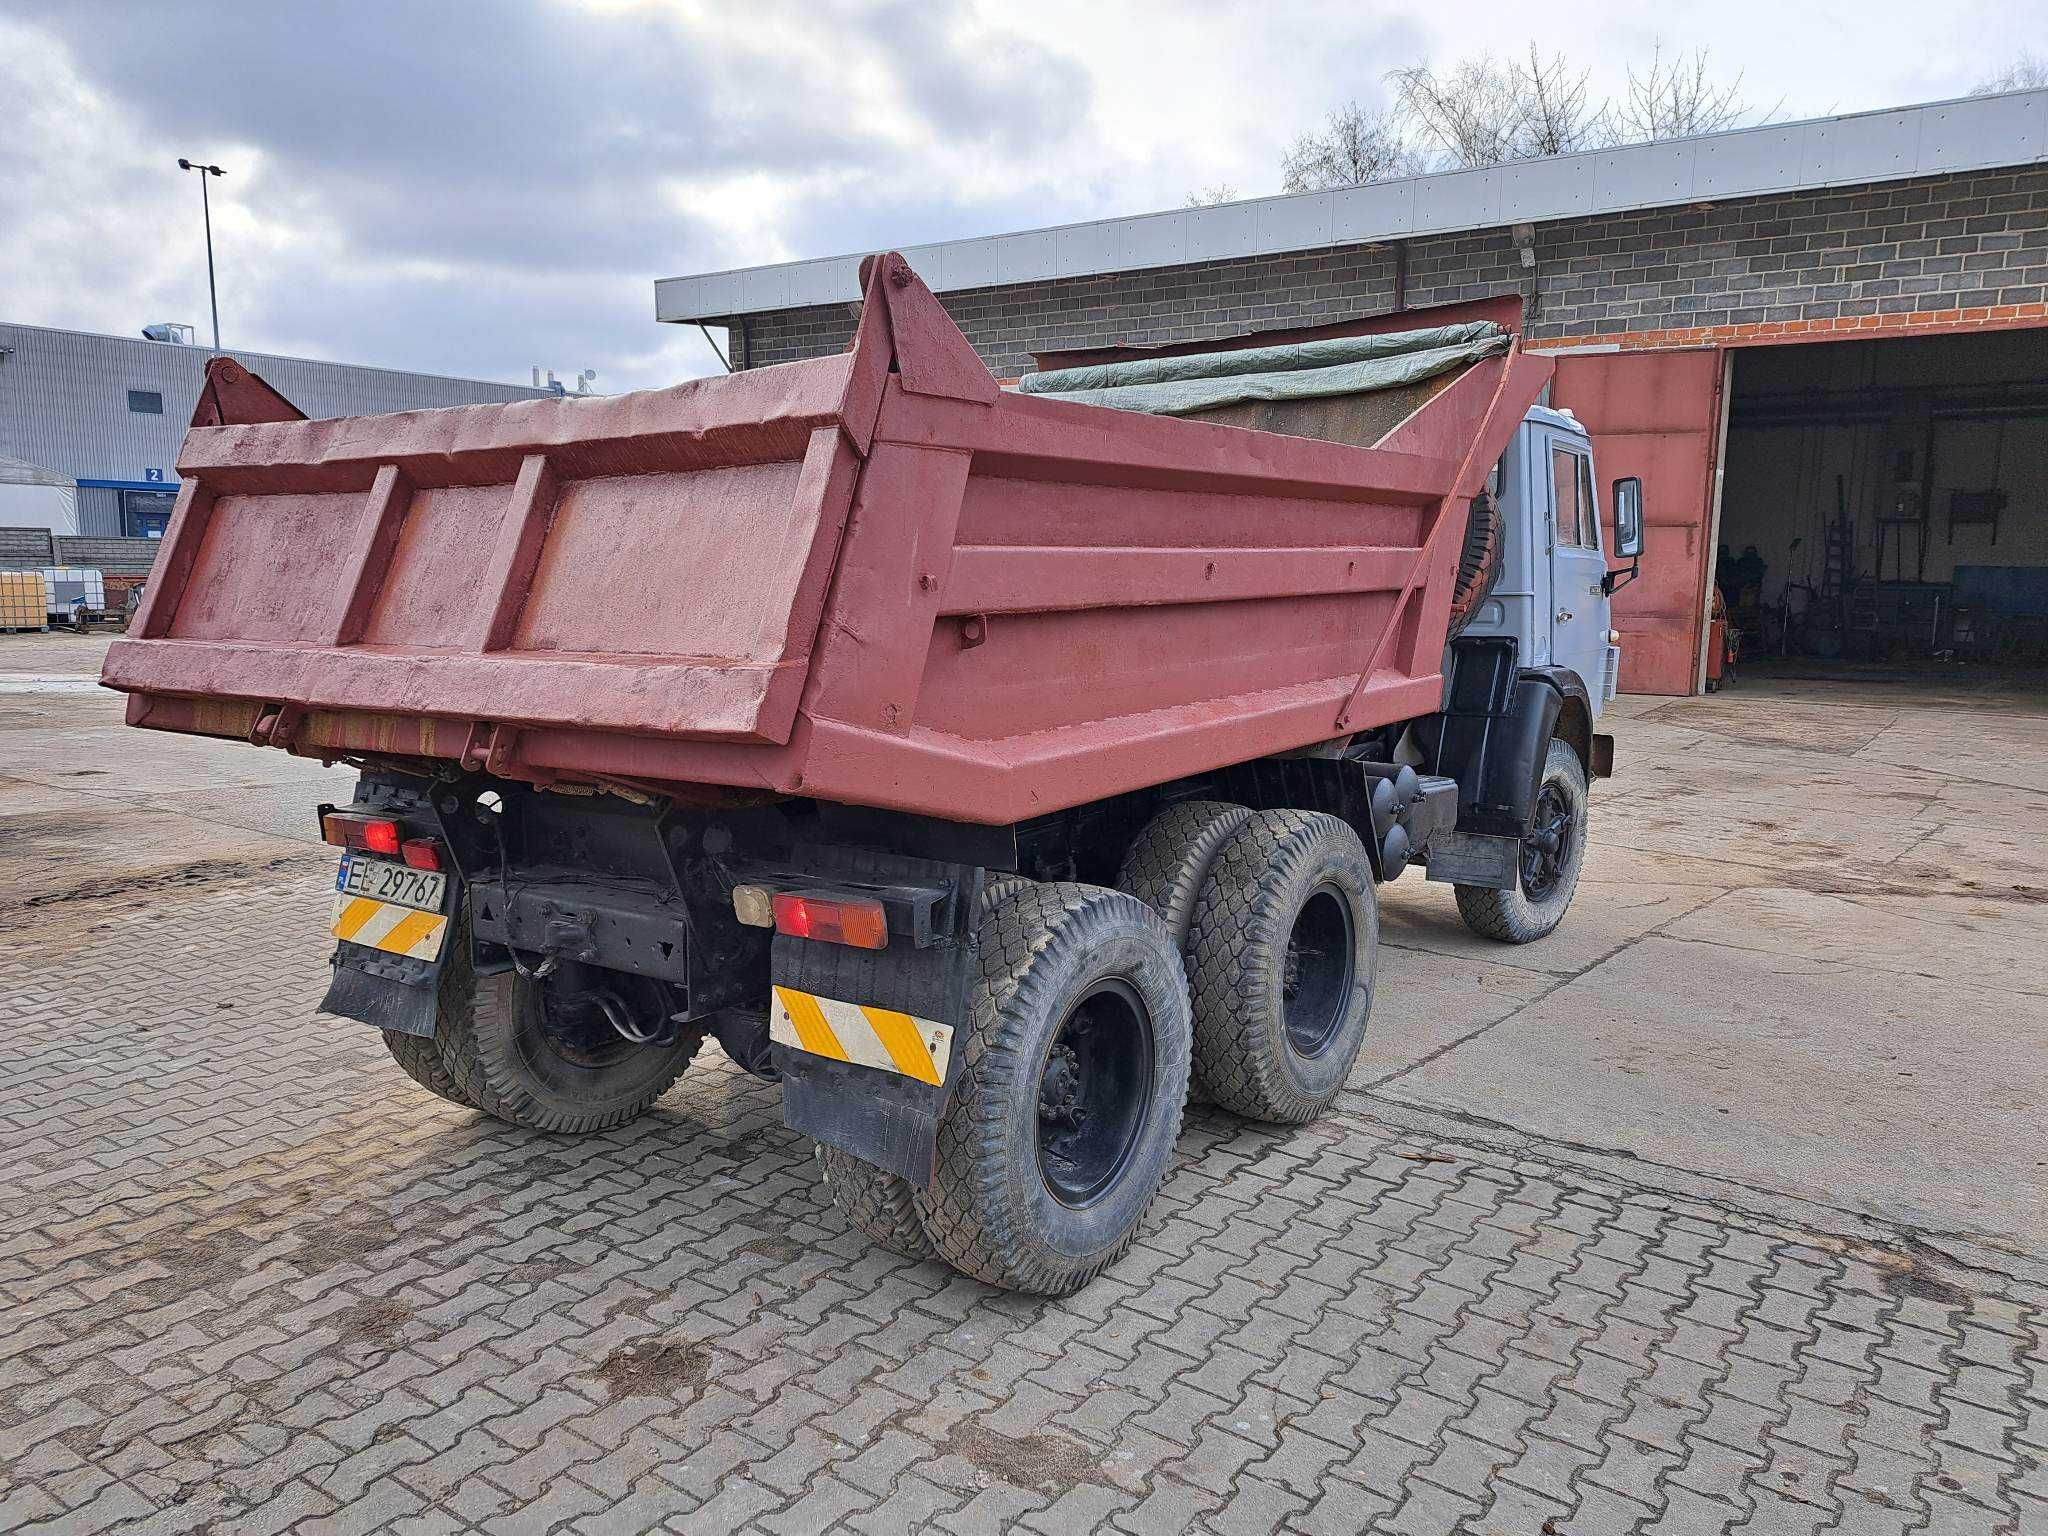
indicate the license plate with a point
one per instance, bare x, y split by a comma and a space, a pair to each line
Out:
390, 907
424, 890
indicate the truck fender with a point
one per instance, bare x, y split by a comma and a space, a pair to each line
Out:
1493, 733
1575, 712
1575, 721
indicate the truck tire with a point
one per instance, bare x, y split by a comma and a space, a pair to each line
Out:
1166, 866
421, 1059
1478, 562
881, 1206
1067, 1102
1551, 858
498, 1039
1281, 962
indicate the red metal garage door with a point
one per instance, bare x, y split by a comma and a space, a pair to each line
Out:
1657, 415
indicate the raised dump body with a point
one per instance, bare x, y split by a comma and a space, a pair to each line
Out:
874, 578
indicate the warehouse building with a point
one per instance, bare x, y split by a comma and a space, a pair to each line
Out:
1823, 345
90, 424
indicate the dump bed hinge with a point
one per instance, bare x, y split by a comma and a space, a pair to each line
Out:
489, 748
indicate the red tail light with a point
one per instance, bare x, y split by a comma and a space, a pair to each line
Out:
420, 852
832, 919
370, 833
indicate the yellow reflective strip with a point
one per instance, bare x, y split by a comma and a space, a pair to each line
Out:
354, 915
899, 1036
408, 931
428, 945
811, 1029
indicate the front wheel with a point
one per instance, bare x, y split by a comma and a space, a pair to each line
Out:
1552, 855
1073, 1073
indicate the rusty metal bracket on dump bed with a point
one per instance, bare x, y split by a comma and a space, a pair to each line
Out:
489, 748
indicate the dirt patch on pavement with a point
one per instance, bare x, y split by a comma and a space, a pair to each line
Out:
1049, 1463
658, 1369
372, 1322
200, 872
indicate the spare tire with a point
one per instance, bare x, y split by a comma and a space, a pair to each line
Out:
1479, 561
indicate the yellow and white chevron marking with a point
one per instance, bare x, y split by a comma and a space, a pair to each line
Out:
395, 930
869, 1037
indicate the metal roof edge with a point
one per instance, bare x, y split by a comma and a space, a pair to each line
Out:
1850, 149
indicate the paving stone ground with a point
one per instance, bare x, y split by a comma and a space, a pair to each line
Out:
255, 1282
1723, 1209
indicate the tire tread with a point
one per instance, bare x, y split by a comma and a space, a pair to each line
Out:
964, 1210
492, 1082
881, 1206
1230, 969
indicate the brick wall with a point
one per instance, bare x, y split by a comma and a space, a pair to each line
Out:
24, 549
1969, 248
132, 557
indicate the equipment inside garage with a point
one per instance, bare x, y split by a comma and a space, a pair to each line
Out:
1887, 501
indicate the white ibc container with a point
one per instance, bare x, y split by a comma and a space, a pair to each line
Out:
69, 583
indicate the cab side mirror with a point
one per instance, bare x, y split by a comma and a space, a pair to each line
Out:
1628, 533
1628, 517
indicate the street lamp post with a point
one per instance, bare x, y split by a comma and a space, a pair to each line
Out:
206, 210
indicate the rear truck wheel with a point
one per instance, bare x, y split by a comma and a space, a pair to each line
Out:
879, 1205
1166, 866
1281, 962
882, 1206
1552, 854
556, 1054
1073, 1070
421, 1059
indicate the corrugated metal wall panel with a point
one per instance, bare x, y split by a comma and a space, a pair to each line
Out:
99, 512
64, 398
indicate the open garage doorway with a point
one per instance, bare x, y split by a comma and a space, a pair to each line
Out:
1884, 508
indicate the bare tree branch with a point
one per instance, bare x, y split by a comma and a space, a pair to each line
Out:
1469, 115
1209, 197
2026, 73
1555, 119
1484, 111
1487, 111
1354, 147
1676, 98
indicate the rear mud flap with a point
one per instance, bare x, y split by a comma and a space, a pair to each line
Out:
389, 991
891, 1121
886, 1114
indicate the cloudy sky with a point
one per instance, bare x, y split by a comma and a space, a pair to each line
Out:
473, 189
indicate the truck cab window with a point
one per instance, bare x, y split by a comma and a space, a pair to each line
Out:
1571, 491
1589, 507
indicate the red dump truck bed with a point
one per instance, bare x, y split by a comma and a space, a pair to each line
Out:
874, 578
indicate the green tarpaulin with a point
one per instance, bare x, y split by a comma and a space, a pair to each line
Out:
1342, 365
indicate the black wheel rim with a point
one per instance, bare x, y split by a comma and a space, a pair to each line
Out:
1315, 988
1547, 850
1095, 1094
